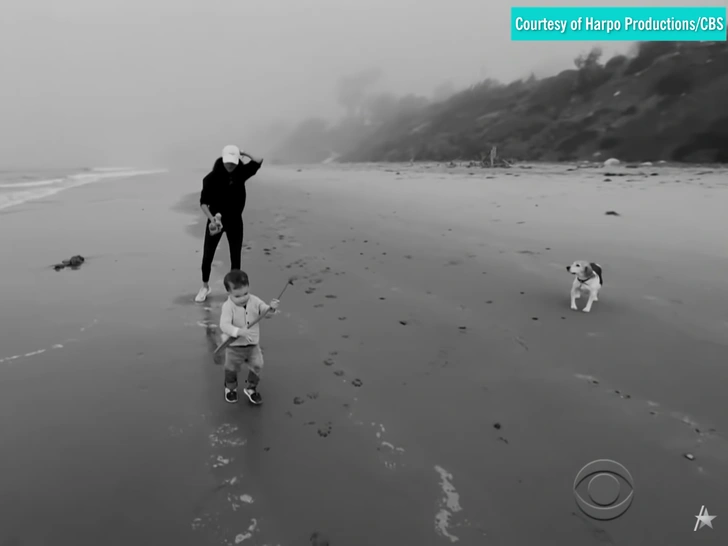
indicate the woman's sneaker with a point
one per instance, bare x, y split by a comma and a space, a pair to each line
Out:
254, 396
202, 294
231, 395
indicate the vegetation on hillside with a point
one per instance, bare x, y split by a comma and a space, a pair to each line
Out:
315, 140
668, 101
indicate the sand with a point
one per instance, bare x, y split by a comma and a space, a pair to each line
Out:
426, 382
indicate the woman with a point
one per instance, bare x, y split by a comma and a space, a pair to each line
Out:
223, 194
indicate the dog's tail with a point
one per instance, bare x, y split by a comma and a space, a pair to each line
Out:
598, 270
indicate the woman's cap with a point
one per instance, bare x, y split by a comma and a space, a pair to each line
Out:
231, 154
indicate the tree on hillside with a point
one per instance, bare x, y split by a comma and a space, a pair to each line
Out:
443, 92
386, 107
381, 107
648, 52
352, 90
588, 61
591, 73
412, 103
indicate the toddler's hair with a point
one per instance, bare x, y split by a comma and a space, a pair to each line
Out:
236, 279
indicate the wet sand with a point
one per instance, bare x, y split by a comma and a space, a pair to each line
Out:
425, 383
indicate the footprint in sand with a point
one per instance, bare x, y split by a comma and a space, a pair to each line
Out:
325, 429
345, 336
317, 539
357, 382
319, 305
312, 395
310, 290
298, 400
621, 394
329, 362
331, 296
342, 318
339, 373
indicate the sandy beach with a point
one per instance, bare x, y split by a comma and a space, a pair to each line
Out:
426, 382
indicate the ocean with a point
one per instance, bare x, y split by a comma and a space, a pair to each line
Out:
17, 187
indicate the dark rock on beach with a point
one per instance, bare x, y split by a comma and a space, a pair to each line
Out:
74, 262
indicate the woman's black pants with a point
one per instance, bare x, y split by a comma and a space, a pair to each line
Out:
233, 228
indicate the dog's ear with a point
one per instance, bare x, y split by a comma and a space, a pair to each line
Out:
588, 271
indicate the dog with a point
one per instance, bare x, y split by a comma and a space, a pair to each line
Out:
588, 279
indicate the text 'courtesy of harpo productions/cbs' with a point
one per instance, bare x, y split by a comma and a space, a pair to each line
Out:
618, 24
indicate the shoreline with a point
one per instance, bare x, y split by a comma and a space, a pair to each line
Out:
522, 165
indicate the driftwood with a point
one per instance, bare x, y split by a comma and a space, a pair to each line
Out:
491, 160
494, 160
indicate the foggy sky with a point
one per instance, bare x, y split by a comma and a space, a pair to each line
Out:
146, 83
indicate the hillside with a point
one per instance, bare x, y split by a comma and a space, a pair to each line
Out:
669, 101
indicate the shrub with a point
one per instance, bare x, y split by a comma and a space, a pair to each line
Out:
590, 73
673, 85
647, 53
571, 144
588, 60
609, 143
615, 63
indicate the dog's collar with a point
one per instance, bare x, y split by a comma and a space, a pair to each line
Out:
582, 281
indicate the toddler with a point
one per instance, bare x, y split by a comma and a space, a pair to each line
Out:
238, 312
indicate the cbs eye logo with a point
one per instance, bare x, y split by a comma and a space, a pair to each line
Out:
604, 489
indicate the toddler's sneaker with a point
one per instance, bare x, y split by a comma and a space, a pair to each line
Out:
254, 396
231, 395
